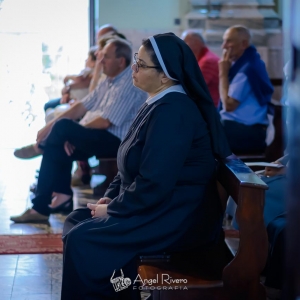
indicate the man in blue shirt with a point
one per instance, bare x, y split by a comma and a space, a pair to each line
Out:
245, 91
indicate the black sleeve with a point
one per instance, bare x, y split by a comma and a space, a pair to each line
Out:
114, 188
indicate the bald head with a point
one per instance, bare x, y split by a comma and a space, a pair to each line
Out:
194, 40
241, 31
103, 30
237, 39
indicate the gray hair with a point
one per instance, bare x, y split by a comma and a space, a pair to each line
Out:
123, 49
194, 33
242, 31
109, 27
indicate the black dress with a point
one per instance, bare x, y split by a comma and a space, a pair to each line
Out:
164, 199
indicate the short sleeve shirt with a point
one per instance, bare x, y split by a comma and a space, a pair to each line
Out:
249, 112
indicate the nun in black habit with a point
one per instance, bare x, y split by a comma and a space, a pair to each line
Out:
163, 198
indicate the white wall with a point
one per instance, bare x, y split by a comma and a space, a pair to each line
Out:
138, 19
142, 14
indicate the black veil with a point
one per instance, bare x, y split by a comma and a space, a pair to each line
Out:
179, 63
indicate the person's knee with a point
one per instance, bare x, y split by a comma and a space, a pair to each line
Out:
76, 216
62, 125
46, 106
75, 237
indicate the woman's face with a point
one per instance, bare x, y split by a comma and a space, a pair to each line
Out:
146, 79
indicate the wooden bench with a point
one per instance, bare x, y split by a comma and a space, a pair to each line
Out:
240, 279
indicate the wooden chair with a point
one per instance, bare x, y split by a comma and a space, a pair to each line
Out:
109, 168
240, 279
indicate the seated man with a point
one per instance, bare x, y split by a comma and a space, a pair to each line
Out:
245, 91
83, 82
76, 86
207, 61
105, 31
109, 111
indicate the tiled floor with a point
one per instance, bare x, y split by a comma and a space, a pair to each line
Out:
30, 277
35, 276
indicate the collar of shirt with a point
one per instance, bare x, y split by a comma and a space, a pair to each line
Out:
174, 88
111, 81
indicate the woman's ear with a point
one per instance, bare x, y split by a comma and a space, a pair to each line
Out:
164, 78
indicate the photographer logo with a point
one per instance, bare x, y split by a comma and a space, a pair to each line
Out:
120, 283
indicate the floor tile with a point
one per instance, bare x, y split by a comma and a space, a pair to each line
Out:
11, 258
5, 288
32, 271
56, 289
33, 258
5, 297
31, 289
56, 276
56, 282
32, 297
30, 280
7, 272
7, 265
6, 281
42, 266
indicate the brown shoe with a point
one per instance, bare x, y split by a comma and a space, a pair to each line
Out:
27, 152
28, 217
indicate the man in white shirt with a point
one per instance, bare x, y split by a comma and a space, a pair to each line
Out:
108, 113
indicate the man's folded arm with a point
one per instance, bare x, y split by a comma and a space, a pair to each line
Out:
228, 102
98, 123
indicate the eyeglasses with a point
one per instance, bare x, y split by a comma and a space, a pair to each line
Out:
136, 65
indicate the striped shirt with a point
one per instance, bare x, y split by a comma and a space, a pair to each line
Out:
115, 99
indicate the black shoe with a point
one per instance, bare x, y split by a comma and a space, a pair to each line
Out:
32, 188
64, 208
86, 178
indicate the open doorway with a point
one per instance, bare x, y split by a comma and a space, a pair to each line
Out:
40, 42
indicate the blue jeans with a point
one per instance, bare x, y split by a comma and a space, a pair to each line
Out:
52, 103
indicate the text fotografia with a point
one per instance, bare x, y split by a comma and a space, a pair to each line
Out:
160, 282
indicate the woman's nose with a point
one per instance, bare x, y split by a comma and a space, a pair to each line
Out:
134, 68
